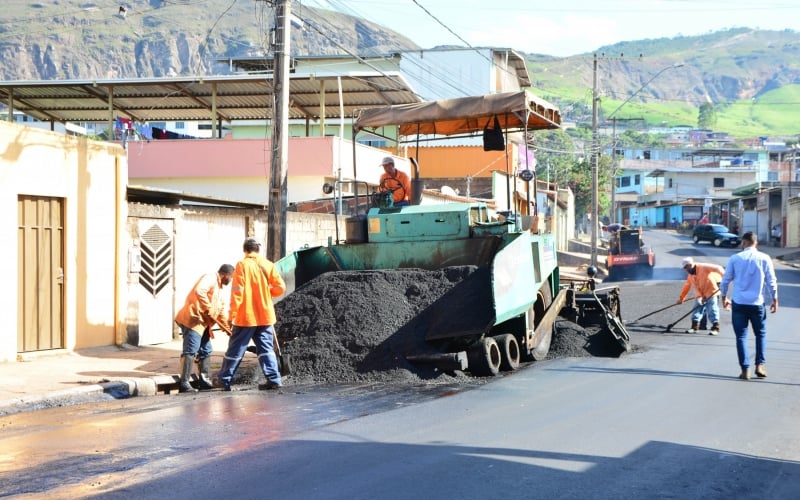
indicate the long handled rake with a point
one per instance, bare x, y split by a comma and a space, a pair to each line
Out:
695, 308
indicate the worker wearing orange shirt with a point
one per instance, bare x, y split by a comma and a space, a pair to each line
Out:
705, 279
396, 181
255, 283
202, 309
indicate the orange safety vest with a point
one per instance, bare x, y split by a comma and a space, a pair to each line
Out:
255, 282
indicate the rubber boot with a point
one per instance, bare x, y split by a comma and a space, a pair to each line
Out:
186, 374
203, 379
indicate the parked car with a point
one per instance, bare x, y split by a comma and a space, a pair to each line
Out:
716, 234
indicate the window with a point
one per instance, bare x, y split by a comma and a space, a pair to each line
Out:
772, 176
647, 155
180, 125
624, 181
719, 182
637, 179
669, 182
375, 143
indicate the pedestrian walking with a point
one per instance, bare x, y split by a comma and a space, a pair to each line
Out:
252, 315
705, 279
202, 309
753, 277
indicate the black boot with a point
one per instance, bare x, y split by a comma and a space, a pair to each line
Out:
203, 369
186, 374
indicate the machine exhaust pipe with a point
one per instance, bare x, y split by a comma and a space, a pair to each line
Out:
416, 184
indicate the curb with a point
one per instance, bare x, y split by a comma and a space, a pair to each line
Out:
116, 389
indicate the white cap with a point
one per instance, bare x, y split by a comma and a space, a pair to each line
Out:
688, 261
387, 161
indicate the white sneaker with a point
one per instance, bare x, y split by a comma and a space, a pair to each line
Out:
691, 330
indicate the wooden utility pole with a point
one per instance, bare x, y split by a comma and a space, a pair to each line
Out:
595, 158
278, 193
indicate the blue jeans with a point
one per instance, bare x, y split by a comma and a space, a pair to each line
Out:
262, 336
756, 316
711, 306
194, 344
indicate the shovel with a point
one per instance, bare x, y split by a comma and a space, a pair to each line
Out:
284, 361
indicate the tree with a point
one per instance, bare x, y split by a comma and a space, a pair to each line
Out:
706, 116
570, 166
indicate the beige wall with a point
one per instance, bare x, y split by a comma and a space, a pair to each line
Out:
204, 238
90, 177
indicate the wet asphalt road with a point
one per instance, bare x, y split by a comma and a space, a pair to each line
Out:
669, 420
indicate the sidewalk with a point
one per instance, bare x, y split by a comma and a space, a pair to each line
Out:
58, 378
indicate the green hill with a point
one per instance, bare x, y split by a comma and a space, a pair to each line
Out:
751, 77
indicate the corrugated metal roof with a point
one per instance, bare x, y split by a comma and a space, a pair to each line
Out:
232, 98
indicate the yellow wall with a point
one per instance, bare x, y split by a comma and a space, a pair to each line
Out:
90, 177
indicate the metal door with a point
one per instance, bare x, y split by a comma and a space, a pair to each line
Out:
40, 282
155, 291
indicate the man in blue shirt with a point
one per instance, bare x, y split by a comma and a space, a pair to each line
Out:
753, 277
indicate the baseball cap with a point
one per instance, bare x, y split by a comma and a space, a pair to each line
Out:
688, 261
388, 160
251, 245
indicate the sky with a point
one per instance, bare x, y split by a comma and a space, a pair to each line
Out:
563, 27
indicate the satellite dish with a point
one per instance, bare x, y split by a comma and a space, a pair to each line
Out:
448, 191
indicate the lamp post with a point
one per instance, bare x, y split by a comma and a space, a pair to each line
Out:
614, 137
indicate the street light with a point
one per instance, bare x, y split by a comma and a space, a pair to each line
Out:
596, 146
626, 101
614, 137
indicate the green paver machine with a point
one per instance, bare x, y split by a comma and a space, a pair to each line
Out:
505, 311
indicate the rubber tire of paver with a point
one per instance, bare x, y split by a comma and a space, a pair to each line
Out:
484, 358
509, 352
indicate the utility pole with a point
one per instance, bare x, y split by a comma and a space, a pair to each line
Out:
614, 171
595, 154
614, 143
278, 193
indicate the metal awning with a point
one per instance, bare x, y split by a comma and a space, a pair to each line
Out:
208, 98
513, 110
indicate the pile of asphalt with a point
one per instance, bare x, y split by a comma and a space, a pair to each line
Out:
359, 326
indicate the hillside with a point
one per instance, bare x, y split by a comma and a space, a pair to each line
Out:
751, 77
74, 39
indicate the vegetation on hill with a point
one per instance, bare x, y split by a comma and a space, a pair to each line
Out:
750, 77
